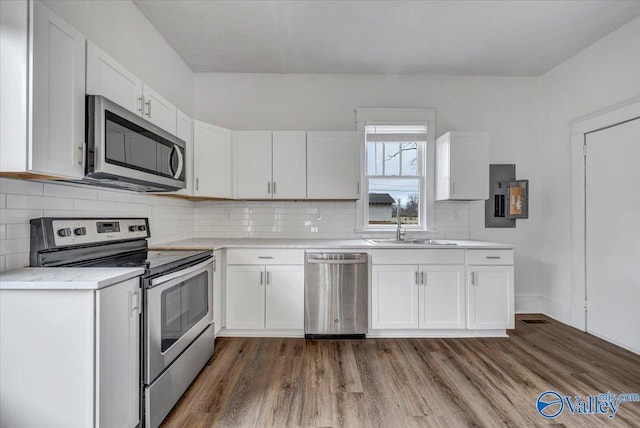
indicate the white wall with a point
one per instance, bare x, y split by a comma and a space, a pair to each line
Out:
506, 107
121, 30
603, 75
20, 200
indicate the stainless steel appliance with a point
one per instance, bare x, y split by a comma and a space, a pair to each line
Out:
335, 295
177, 337
124, 150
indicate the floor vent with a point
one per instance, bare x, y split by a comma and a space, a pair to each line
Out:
535, 321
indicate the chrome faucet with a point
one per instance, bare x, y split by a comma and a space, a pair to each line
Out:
399, 232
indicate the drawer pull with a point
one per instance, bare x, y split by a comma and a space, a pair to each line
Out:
493, 257
265, 257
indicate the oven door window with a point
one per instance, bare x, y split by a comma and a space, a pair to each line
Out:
183, 305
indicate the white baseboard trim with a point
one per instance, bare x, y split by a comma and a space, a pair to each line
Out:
261, 333
435, 334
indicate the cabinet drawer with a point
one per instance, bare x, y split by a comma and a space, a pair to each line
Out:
490, 257
266, 256
417, 257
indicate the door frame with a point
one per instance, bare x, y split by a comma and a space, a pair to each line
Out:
603, 119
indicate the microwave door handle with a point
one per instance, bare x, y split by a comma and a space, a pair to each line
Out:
176, 149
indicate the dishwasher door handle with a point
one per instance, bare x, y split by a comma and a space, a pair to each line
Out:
336, 262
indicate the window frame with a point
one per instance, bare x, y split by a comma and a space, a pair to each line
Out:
398, 117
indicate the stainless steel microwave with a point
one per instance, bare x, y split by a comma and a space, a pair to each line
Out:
126, 151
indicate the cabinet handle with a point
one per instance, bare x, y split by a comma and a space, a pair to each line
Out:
274, 187
81, 156
197, 183
141, 101
268, 187
493, 257
265, 257
417, 278
422, 278
358, 187
261, 277
268, 278
215, 265
134, 297
148, 104
473, 278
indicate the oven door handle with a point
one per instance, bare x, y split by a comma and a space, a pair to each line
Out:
183, 272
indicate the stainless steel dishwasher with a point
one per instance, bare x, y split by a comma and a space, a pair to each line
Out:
335, 295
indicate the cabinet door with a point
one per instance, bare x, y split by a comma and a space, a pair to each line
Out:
158, 110
490, 297
106, 77
184, 131
442, 297
118, 354
394, 297
333, 165
289, 165
211, 161
285, 297
57, 141
462, 166
218, 278
245, 297
252, 164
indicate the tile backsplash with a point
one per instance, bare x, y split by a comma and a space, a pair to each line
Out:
173, 219
20, 200
322, 220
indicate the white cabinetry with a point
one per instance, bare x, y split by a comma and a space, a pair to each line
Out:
211, 161
490, 289
42, 80
407, 295
184, 131
265, 290
91, 342
462, 166
333, 165
106, 77
270, 164
218, 281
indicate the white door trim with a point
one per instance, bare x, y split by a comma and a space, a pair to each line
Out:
603, 119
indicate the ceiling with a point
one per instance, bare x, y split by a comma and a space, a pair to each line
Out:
472, 38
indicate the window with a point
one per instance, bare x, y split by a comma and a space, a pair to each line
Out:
394, 172
397, 169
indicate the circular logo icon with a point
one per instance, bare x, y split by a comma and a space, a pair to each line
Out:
549, 404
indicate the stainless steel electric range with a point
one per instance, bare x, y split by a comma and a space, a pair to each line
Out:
177, 337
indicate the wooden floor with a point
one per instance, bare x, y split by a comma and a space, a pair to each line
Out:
408, 382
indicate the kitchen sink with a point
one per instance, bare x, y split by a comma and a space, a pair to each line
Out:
410, 242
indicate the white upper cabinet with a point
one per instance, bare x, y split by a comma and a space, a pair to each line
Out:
184, 131
270, 165
252, 164
54, 107
289, 165
105, 76
462, 166
211, 161
333, 165
158, 110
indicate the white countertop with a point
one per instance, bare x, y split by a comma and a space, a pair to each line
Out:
218, 243
65, 278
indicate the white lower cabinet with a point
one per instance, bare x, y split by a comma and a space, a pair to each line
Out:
490, 297
90, 340
423, 296
267, 296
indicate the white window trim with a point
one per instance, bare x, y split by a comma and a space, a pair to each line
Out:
398, 116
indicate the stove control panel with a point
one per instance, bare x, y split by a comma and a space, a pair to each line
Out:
88, 231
